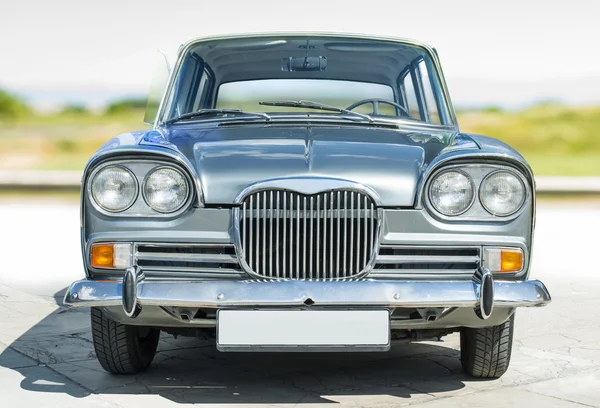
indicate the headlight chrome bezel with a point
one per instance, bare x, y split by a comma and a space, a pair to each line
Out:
162, 167
92, 196
478, 172
486, 178
471, 183
140, 168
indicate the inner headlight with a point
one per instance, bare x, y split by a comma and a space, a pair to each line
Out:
502, 193
114, 188
451, 192
165, 189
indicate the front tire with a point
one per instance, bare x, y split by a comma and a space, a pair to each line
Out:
121, 348
485, 352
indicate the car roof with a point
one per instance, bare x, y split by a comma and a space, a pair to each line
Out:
321, 34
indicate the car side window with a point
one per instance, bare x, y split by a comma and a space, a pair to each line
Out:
428, 95
201, 94
409, 97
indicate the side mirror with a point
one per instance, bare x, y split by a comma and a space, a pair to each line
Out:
158, 85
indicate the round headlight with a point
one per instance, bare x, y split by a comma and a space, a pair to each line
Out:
166, 189
114, 188
451, 192
502, 193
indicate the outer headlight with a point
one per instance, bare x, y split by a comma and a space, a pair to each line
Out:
451, 192
502, 193
114, 188
165, 189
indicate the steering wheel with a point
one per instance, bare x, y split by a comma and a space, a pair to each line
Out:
375, 102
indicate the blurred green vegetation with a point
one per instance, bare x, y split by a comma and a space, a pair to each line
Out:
125, 106
555, 139
11, 106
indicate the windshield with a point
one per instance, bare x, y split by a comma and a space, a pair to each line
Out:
247, 95
291, 75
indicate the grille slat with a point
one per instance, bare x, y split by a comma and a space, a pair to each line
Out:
250, 240
337, 257
424, 262
400, 259
365, 223
271, 234
318, 235
264, 236
276, 239
258, 233
284, 220
298, 237
186, 261
304, 246
352, 230
191, 257
324, 236
310, 268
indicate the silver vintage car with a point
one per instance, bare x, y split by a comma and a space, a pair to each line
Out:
305, 192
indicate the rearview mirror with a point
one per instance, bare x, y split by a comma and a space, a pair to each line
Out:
293, 64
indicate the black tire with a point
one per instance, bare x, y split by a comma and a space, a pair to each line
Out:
485, 352
121, 348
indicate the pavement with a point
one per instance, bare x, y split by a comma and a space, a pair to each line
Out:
47, 358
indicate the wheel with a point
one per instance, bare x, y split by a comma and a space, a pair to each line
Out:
121, 348
485, 352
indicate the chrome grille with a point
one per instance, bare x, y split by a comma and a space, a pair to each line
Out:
185, 261
426, 262
330, 235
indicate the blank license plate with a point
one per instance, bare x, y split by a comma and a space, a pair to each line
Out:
311, 329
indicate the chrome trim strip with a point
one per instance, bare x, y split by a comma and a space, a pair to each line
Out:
307, 186
186, 257
184, 244
201, 270
217, 294
421, 274
408, 259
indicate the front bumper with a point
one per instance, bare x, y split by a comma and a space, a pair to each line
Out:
133, 293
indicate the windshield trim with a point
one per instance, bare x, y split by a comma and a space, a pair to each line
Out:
314, 117
433, 55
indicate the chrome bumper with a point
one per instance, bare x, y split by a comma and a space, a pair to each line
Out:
231, 294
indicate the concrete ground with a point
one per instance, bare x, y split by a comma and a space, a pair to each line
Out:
47, 358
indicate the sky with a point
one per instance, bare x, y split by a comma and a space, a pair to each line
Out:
509, 53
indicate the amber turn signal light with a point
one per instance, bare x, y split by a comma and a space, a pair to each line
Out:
503, 260
511, 260
102, 255
113, 256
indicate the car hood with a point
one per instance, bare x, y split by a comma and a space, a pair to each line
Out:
229, 159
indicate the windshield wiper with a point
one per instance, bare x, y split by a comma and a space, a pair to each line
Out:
315, 105
203, 112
